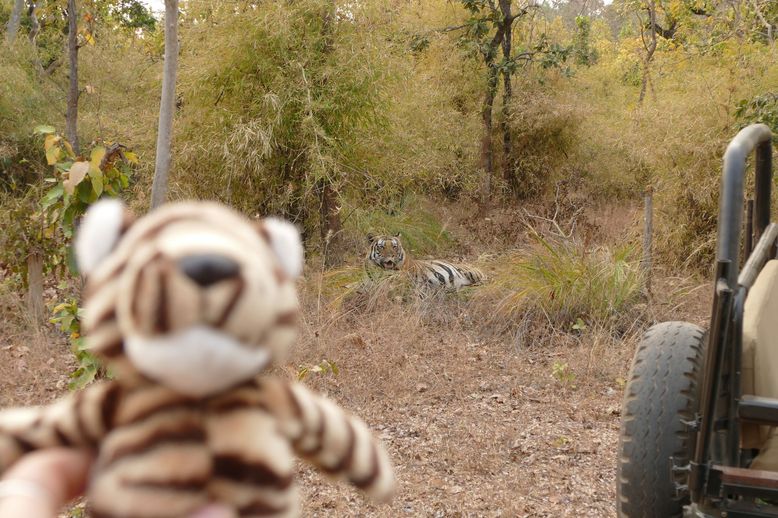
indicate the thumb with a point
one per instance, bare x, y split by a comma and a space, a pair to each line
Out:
41, 482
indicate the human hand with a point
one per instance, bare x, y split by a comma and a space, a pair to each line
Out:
42, 482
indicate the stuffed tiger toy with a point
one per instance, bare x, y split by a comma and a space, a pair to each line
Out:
187, 305
387, 253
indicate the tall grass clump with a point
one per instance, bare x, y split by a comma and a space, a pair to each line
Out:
421, 231
566, 284
279, 121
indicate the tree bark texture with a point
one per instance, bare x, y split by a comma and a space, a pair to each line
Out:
35, 304
507, 97
330, 224
13, 22
167, 106
648, 231
650, 49
35, 26
487, 152
71, 118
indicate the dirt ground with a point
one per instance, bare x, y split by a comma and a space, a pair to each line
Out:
476, 423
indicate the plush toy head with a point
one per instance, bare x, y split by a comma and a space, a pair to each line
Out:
193, 296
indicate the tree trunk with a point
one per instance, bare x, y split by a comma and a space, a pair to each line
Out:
768, 26
14, 21
650, 49
648, 230
35, 26
329, 223
35, 305
487, 153
166, 105
71, 119
507, 97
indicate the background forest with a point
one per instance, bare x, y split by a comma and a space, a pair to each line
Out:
517, 135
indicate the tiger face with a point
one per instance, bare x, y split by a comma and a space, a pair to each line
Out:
193, 295
386, 251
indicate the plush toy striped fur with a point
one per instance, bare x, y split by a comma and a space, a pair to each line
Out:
387, 253
187, 305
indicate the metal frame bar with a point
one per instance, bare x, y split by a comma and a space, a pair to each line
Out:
755, 137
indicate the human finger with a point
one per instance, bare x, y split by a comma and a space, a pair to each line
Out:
41, 482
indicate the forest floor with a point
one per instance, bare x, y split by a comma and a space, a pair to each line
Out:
478, 423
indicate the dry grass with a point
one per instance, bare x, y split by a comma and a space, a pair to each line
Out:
34, 359
565, 284
476, 426
480, 420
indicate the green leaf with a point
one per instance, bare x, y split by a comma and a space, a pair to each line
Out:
72, 262
85, 194
51, 197
43, 129
97, 181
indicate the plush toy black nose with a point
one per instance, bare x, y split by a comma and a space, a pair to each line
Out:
207, 269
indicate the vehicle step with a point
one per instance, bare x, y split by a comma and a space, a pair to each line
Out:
744, 477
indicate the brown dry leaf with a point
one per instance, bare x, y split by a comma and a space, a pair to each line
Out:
355, 340
75, 176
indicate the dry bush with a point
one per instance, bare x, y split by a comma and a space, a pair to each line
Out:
674, 142
544, 129
564, 285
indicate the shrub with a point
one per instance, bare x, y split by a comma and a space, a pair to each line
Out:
565, 283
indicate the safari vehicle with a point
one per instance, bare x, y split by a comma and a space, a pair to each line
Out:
699, 428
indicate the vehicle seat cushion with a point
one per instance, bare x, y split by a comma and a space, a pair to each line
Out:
759, 373
768, 456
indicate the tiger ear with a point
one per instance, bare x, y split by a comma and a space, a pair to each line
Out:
397, 234
101, 228
370, 237
284, 240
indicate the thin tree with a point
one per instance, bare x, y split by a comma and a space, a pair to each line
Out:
507, 94
167, 105
501, 18
14, 21
650, 49
35, 26
71, 118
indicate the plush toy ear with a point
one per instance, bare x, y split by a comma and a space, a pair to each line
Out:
285, 241
100, 230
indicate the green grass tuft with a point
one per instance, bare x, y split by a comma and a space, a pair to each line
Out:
566, 283
420, 231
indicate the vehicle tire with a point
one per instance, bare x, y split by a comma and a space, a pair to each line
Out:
663, 389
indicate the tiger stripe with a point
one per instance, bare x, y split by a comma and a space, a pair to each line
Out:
387, 252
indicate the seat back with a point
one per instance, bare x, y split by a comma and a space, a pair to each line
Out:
759, 373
